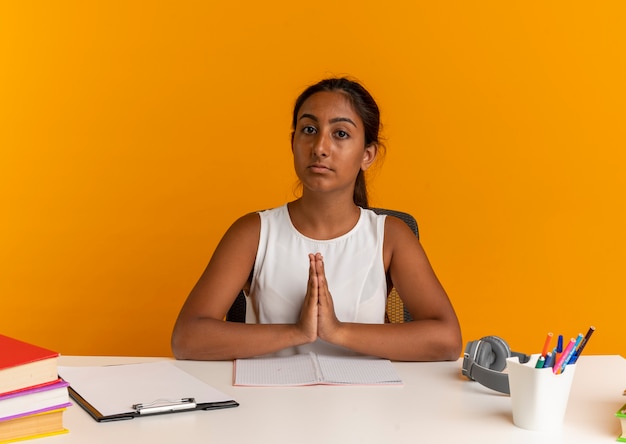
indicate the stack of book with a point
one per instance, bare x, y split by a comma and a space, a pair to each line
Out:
32, 397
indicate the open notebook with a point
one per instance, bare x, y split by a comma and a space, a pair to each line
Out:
312, 369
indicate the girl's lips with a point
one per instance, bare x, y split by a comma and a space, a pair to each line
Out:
319, 168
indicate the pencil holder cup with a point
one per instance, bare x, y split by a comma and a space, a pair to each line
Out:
538, 396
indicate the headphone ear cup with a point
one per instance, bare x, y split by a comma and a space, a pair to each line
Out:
500, 351
484, 355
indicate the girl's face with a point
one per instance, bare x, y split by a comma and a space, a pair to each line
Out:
329, 144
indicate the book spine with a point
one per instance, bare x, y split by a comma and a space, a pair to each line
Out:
36, 435
34, 412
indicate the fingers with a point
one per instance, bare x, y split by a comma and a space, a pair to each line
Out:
309, 310
322, 283
312, 284
312, 293
318, 312
327, 322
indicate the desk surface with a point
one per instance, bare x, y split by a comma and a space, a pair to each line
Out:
435, 405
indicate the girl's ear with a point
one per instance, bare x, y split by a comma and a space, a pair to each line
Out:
369, 155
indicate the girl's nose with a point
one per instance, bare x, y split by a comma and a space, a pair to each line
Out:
322, 146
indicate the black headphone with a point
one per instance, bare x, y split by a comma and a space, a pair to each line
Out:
484, 360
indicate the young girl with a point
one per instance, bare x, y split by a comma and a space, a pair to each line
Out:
321, 264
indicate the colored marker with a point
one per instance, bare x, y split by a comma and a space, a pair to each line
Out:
559, 347
546, 345
540, 362
560, 364
579, 340
549, 360
570, 356
583, 343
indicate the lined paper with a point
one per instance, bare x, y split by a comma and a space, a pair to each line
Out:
358, 370
311, 369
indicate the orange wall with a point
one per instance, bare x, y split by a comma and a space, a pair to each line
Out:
132, 136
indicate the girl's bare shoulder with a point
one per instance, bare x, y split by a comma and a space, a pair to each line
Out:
245, 228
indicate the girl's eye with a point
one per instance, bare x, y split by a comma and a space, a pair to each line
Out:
342, 134
309, 130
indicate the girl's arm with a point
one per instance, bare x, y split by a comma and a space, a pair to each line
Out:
201, 333
433, 335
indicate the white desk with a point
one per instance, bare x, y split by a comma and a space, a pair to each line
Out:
435, 405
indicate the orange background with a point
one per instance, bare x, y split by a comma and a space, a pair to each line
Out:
132, 134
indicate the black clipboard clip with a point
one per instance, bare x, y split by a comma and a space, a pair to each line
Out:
165, 406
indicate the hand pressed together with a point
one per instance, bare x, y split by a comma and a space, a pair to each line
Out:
317, 317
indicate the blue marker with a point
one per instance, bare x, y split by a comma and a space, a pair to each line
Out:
549, 360
559, 348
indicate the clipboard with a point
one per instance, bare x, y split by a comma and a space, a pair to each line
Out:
119, 392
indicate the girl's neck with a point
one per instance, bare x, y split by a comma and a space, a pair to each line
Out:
321, 219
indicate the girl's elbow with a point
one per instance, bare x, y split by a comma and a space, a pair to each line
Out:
453, 345
178, 348
180, 345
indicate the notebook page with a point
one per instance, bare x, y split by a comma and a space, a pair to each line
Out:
274, 371
358, 370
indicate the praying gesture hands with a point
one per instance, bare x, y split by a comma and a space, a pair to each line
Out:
317, 317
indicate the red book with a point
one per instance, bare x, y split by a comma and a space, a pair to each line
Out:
25, 365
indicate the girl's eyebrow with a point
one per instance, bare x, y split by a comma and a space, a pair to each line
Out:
334, 120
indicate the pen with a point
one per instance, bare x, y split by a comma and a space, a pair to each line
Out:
559, 347
583, 343
546, 344
549, 362
560, 364
540, 362
570, 356
579, 340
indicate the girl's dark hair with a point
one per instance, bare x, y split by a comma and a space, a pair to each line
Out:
364, 105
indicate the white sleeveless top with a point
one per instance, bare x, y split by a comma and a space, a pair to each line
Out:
353, 264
